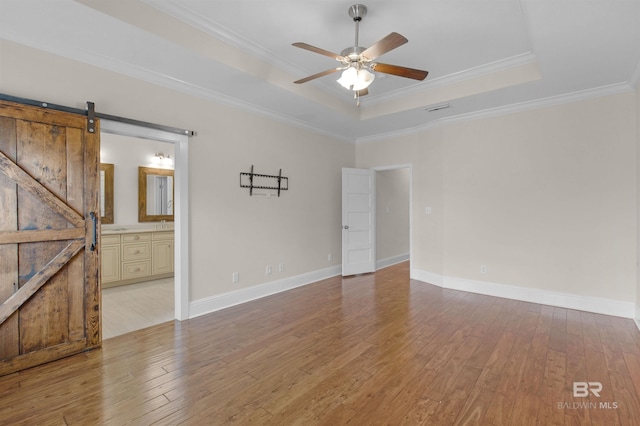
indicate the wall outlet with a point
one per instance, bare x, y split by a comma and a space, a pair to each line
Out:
483, 269
235, 277
281, 267
268, 271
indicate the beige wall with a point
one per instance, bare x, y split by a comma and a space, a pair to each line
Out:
638, 205
230, 231
424, 152
392, 213
546, 198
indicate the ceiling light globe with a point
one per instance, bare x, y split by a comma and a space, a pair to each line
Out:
349, 78
365, 78
356, 79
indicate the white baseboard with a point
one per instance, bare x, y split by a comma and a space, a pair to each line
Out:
383, 263
427, 277
563, 300
527, 294
226, 300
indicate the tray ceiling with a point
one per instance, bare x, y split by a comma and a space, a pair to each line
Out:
483, 56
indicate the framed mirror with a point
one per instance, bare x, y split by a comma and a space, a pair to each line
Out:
106, 193
155, 194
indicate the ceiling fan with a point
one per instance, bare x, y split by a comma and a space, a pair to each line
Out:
357, 63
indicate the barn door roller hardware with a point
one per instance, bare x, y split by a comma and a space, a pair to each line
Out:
92, 115
253, 180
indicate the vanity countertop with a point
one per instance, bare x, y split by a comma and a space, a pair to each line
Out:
135, 229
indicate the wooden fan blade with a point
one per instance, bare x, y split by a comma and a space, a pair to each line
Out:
400, 71
381, 47
320, 74
318, 50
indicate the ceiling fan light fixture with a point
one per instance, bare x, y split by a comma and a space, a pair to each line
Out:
356, 79
357, 64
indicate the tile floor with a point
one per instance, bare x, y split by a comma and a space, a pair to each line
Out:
135, 306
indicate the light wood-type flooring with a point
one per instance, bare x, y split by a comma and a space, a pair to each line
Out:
366, 350
131, 307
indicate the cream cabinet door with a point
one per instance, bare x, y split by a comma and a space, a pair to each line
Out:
162, 262
110, 263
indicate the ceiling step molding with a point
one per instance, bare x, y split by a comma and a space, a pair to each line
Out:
455, 78
196, 20
634, 81
613, 89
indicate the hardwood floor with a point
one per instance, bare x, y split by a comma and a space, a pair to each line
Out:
131, 307
367, 350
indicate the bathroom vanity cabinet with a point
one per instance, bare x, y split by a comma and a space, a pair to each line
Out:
131, 256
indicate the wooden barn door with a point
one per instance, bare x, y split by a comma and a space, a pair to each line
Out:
49, 264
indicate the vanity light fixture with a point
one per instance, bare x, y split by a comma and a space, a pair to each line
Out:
163, 159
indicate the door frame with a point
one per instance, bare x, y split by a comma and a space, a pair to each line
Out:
181, 203
396, 167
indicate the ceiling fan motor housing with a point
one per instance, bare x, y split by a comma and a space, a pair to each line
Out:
358, 11
352, 52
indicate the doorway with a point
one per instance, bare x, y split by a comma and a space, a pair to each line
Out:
393, 214
170, 147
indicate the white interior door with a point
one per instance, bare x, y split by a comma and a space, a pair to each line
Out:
358, 221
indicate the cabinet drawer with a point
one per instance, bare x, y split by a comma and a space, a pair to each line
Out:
132, 238
136, 251
163, 235
136, 269
110, 239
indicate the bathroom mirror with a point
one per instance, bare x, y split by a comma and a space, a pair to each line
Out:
106, 193
155, 194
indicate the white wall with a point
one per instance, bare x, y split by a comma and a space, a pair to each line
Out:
127, 154
546, 199
392, 215
230, 231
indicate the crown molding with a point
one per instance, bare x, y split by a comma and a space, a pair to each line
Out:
458, 77
215, 29
634, 81
582, 95
578, 96
219, 31
154, 77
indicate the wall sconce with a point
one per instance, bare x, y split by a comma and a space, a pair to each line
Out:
163, 159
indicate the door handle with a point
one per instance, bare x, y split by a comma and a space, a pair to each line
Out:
346, 227
94, 218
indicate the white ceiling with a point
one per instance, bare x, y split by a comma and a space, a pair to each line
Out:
483, 56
